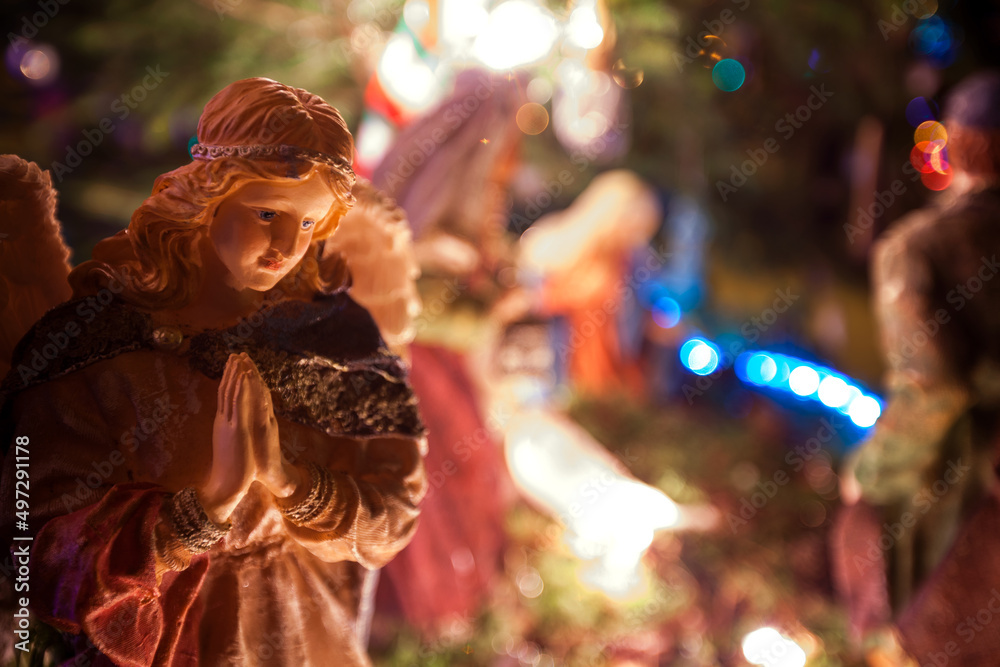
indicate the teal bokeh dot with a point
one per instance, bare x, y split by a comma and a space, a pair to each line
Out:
728, 75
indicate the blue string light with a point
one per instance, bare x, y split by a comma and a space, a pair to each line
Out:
809, 382
700, 356
804, 380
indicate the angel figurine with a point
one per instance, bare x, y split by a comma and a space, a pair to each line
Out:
220, 444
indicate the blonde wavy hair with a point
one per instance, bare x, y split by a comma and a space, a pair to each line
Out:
157, 259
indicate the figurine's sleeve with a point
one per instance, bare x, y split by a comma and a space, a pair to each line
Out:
93, 562
925, 398
369, 511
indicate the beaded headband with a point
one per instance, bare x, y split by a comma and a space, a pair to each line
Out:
270, 152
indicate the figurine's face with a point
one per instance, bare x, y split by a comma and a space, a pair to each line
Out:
262, 229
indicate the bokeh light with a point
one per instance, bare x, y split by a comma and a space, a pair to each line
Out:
374, 136
728, 75
529, 582
625, 76
416, 15
461, 19
808, 381
934, 38
864, 411
920, 110
406, 78
666, 312
937, 181
713, 50
769, 648
938, 163
539, 90
818, 61
39, 65
931, 131
920, 157
833, 392
699, 356
926, 9
532, 118
584, 29
517, 33
929, 154
761, 368
803, 381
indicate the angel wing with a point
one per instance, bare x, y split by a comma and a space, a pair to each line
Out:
375, 241
34, 259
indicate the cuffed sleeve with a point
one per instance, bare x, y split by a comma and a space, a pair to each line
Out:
372, 509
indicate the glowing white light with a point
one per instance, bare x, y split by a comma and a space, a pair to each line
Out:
416, 14
769, 648
573, 76
405, 76
610, 518
462, 19
699, 356
864, 411
834, 392
612, 514
539, 90
761, 368
852, 393
584, 29
803, 380
518, 33
758, 641
374, 137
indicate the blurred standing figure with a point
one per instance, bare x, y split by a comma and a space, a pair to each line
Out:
449, 172
582, 257
918, 542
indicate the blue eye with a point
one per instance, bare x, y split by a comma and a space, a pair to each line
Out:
306, 224
266, 215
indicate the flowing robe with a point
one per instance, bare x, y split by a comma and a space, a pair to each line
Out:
920, 548
116, 423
